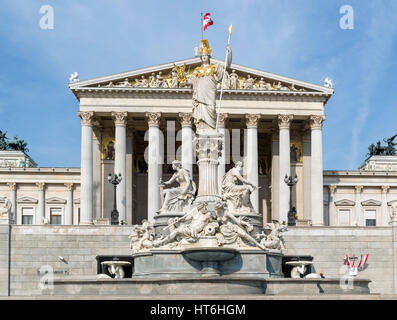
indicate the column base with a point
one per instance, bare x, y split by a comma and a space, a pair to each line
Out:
318, 225
86, 224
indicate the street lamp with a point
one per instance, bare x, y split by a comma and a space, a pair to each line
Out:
114, 216
290, 182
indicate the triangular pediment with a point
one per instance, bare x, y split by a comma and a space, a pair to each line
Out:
159, 78
371, 202
55, 200
345, 202
27, 199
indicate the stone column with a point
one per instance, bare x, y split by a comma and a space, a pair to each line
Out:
120, 122
317, 204
86, 184
208, 148
284, 122
275, 187
39, 219
331, 206
154, 165
68, 219
385, 216
13, 199
252, 156
357, 221
129, 173
97, 175
307, 178
222, 159
187, 141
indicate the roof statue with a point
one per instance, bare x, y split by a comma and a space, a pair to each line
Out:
379, 150
12, 145
74, 77
328, 83
3, 142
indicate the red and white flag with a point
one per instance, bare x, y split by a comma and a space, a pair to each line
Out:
207, 21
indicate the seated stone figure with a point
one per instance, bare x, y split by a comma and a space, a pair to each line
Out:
236, 190
178, 198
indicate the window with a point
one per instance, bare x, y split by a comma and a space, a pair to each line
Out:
370, 217
27, 215
56, 215
344, 217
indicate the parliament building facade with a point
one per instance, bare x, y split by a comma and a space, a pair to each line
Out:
136, 123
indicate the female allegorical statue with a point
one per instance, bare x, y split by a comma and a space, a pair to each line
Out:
236, 190
176, 199
204, 81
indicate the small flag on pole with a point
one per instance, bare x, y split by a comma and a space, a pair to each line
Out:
207, 21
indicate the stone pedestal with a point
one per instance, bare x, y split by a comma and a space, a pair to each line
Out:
15, 159
379, 164
208, 148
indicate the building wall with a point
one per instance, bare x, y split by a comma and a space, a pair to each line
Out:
33, 247
345, 182
370, 184
4, 260
329, 246
55, 192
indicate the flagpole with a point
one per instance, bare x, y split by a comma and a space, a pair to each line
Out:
223, 79
201, 26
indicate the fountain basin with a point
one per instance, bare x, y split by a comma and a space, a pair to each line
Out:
210, 258
210, 254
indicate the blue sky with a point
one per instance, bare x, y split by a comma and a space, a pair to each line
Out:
298, 39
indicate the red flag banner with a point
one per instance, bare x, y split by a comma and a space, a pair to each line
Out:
207, 21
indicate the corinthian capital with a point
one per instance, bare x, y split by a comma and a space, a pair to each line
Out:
120, 118
358, 189
86, 117
153, 118
222, 117
252, 120
186, 119
316, 122
40, 186
12, 185
332, 188
69, 186
284, 120
385, 188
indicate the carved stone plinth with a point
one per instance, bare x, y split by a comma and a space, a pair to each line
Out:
208, 148
380, 164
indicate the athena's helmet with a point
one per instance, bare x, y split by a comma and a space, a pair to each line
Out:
205, 48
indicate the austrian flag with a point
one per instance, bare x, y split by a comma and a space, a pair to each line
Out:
207, 21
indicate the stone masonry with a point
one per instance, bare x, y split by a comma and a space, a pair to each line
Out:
33, 247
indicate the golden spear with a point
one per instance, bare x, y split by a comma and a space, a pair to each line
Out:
223, 77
